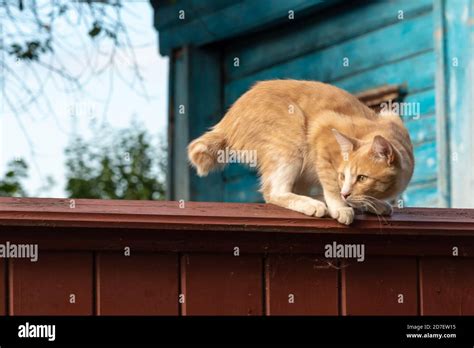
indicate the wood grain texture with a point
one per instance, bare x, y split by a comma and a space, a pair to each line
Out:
384, 242
300, 285
139, 284
447, 286
327, 64
3, 287
325, 29
223, 284
237, 19
167, 13
45, 287
400, 72
163, 215
213, 280
374, 287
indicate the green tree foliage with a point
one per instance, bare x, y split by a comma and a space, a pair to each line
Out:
124, 164
116, 165
11, 184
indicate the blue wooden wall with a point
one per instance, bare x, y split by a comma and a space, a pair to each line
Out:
385, 42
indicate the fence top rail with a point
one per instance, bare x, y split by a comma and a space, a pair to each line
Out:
170, 215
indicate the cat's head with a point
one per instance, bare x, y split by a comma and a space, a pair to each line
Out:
370, 168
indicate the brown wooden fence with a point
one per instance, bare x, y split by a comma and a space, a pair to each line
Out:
230, 259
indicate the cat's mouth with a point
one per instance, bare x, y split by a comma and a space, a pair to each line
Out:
369, 204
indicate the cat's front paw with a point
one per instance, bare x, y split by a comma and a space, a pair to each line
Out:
310, 207
344, 215
320, 208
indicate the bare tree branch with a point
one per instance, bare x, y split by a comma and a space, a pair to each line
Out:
33, 39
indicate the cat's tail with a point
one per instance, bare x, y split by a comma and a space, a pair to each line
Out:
203, 152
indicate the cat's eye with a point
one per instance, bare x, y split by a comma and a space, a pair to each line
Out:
341, 176
362, 178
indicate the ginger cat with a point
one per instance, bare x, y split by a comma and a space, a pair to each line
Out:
313, 135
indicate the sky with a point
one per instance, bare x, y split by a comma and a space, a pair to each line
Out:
49, 131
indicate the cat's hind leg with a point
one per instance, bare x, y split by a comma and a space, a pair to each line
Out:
277, 188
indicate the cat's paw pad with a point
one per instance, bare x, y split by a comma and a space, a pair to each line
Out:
345, 215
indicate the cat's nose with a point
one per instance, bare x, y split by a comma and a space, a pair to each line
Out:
345, 195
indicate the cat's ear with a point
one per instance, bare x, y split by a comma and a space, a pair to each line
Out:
346, 143
383, 150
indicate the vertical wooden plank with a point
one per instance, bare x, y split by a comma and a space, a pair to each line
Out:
193, 110
3, 284
442, 133
458, 42
447, 286
205, 110
373, 287
218, 284
45, 287
300, 285
170, 170
139, 284
179, 109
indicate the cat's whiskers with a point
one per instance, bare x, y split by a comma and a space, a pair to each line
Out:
357, 203
365, 198
370, 203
